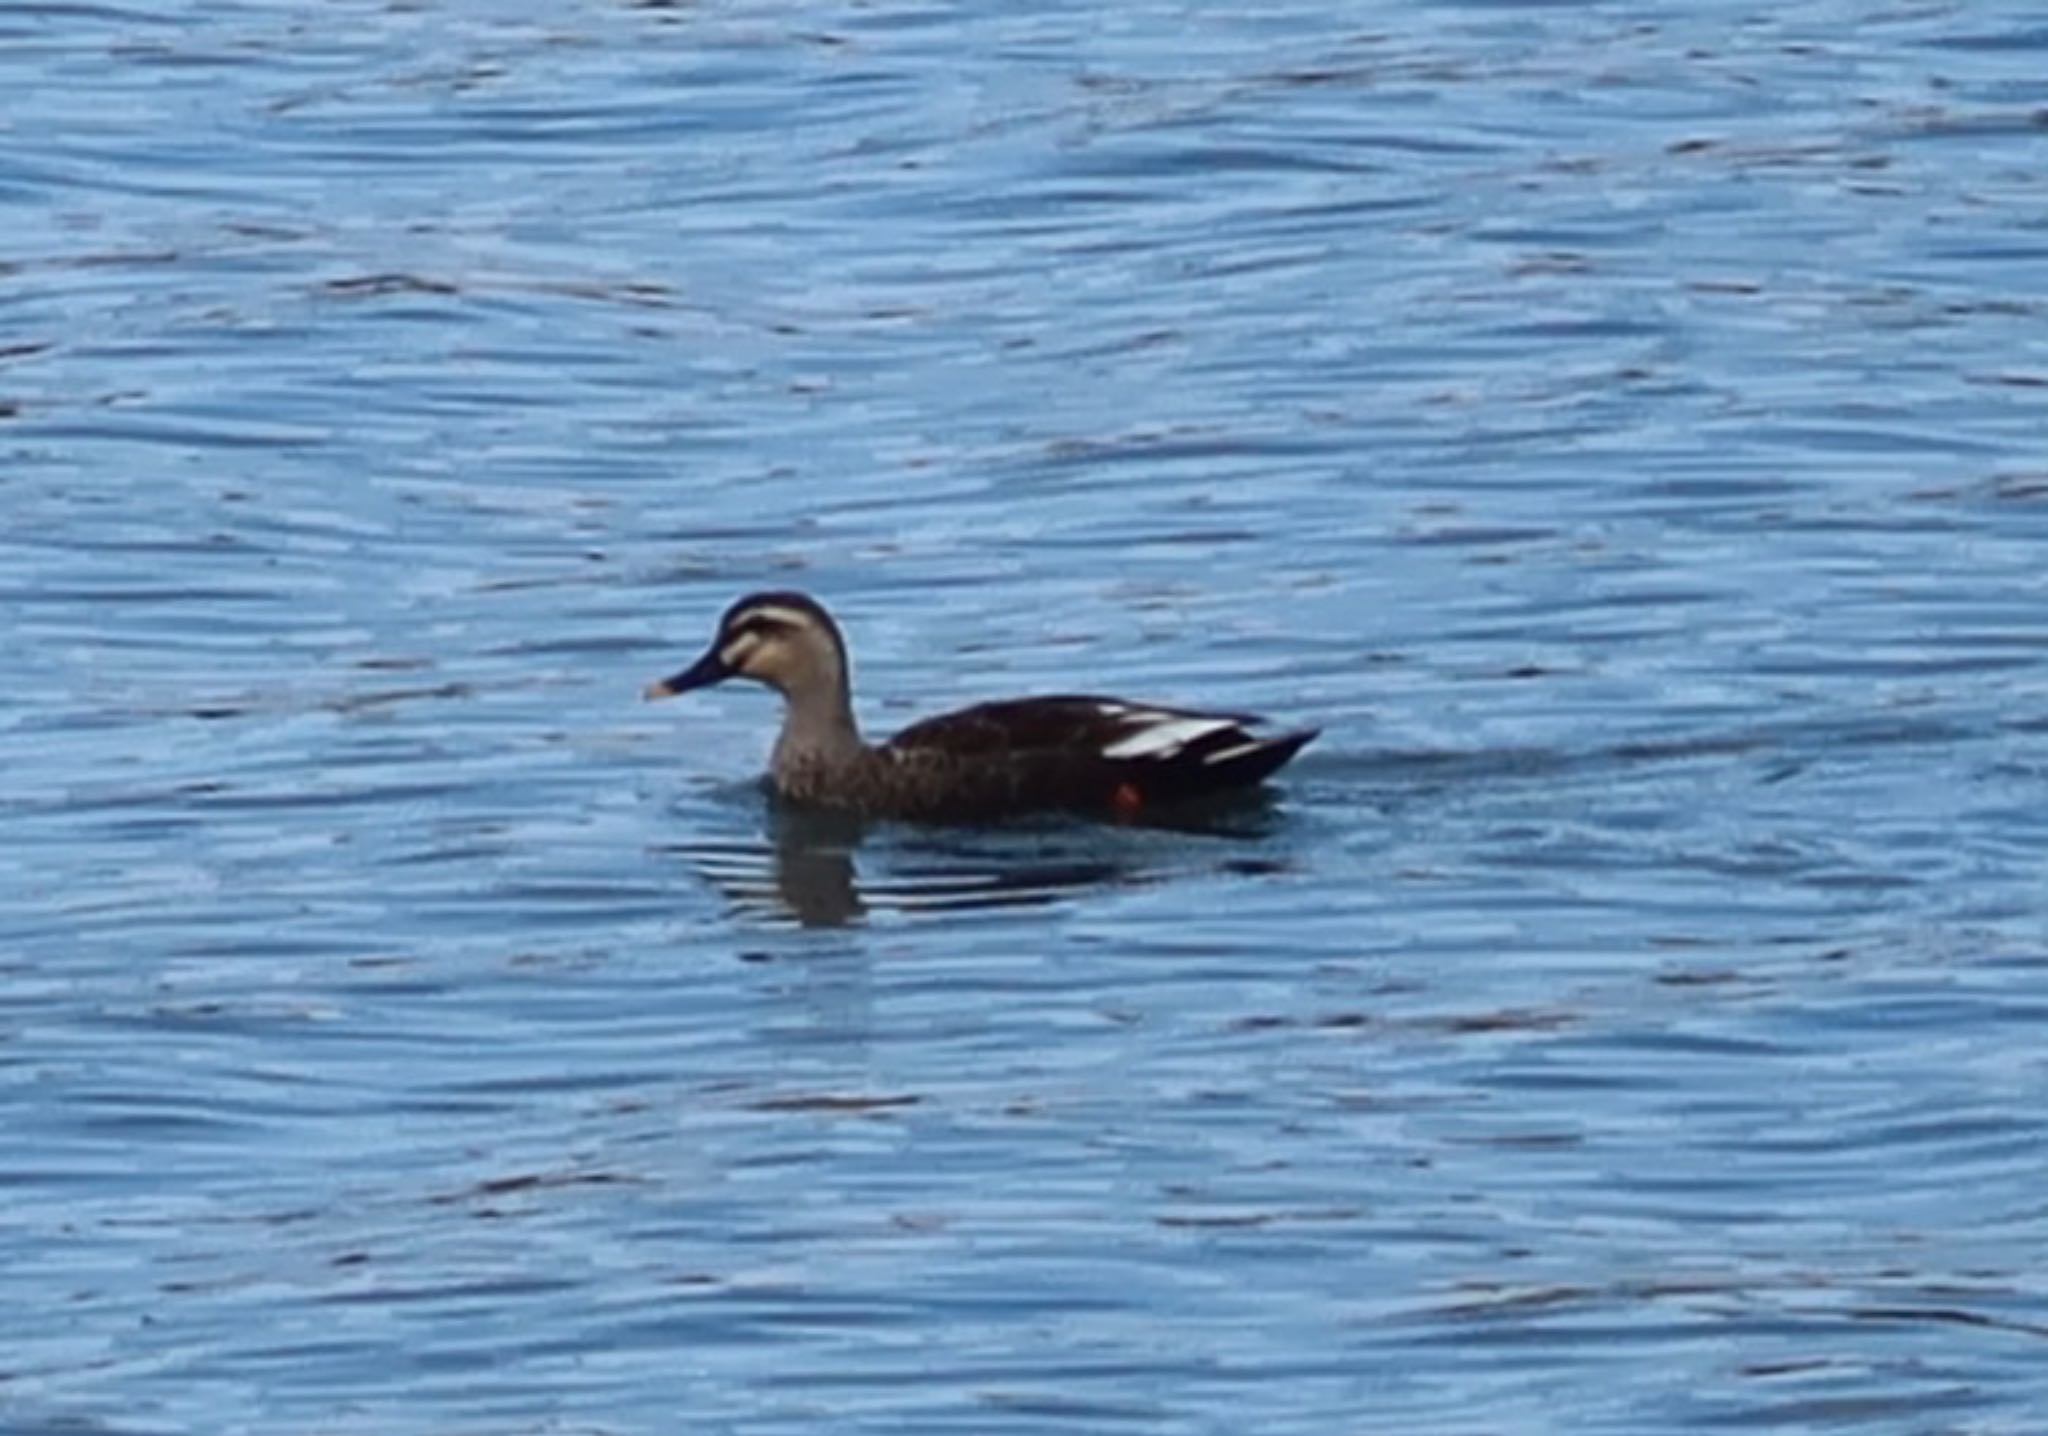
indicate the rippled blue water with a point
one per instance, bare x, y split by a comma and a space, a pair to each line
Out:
1620, 426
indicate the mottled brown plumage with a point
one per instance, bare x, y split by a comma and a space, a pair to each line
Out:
1068, 752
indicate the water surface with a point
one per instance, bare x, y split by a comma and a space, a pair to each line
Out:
1618, 426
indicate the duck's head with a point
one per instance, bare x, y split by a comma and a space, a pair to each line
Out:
783, 639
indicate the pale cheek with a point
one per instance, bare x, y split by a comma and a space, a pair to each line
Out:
769, 666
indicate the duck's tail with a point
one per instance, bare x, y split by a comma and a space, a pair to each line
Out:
1253, 760
1218, 762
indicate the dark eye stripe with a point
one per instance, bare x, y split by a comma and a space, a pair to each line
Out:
766, 621
755, 626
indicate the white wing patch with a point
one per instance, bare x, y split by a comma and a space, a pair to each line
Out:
1236, 750
1161, 735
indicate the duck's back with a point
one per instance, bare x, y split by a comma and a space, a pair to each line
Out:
1078, 752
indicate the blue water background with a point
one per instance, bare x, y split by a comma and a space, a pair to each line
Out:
1621, 427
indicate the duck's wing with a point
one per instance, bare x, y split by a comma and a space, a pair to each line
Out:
1166, 753
1073, 723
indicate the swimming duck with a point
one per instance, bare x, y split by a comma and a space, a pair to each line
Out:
1069, 752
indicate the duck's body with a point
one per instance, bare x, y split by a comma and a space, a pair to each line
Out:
1073, 753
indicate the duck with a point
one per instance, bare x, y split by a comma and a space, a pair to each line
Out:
1061, 753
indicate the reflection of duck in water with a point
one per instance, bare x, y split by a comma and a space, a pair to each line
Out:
1076, 754
814, 877
807, 871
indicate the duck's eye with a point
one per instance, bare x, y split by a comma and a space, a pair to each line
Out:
738, 645
746, 636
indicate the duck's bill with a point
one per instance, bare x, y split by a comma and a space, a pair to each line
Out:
703, 673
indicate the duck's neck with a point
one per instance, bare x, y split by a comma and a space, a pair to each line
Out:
818, 726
